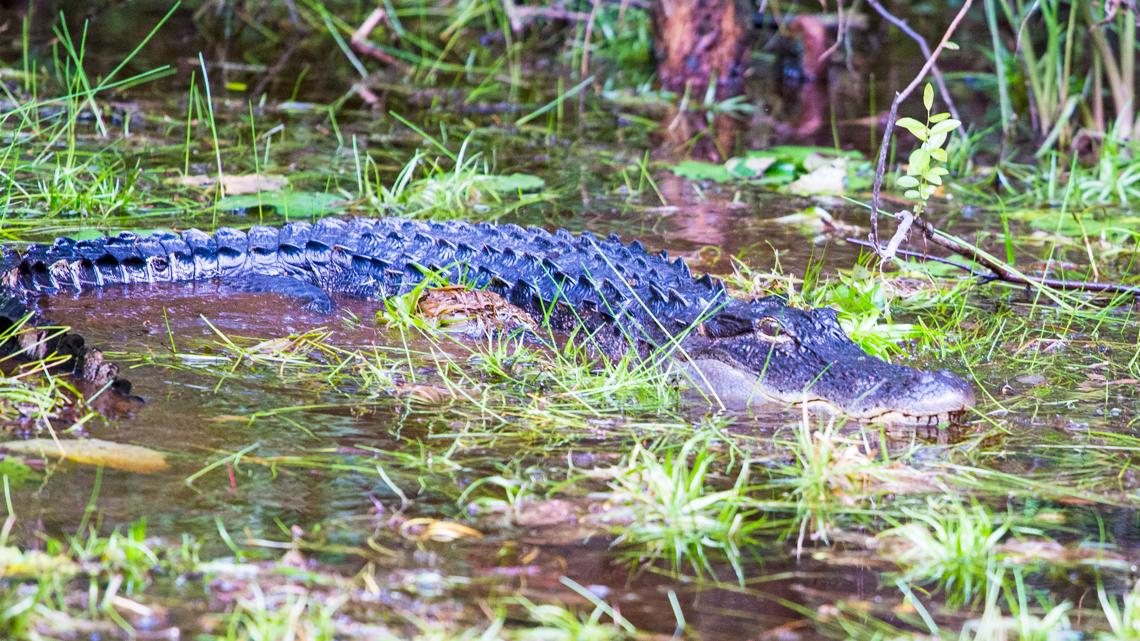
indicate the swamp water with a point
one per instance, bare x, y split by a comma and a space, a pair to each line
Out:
388, 482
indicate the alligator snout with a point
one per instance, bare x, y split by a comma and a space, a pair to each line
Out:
809, 360
913, 396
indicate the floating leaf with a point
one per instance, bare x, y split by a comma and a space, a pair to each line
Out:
797, 154
776, 166
236, 184
700, 170
828, 179
302, 204
429, 529
120, 456
749, 166
512, 183
816, 220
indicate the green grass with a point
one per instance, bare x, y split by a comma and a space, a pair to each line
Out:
262, 617
677, 515
462, 431
954, 547
1123, 615
40, 587
462, 185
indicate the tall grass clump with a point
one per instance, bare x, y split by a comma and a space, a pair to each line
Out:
678, 515
952, 546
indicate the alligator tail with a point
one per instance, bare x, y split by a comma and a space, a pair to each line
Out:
24, 335
294, 250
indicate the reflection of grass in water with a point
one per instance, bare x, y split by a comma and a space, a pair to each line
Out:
829, 477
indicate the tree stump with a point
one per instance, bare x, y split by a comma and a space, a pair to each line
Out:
702, 41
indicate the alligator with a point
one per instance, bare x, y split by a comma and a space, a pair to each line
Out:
622, 297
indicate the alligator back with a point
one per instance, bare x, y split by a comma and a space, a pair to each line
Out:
603, 282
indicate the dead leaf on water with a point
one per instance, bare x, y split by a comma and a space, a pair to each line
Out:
235, 184
817, 220
119, 456
427, 529
228, 418
829, 178
430, 394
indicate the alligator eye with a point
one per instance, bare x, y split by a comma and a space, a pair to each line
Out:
770, 329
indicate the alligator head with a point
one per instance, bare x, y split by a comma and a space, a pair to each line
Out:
765, 351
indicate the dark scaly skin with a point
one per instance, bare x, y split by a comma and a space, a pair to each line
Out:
740, 351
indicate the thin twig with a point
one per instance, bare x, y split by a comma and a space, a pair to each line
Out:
840, 32
584, 71
274, 71
1007, 274
881, 166
904, 27
906, 253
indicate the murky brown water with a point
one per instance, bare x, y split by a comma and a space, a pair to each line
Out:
196, 416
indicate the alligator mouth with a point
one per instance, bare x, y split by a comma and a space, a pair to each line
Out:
930, 417
914, 397
889, 417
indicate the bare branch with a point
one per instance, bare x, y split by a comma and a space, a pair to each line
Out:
889, 130
985, 276
1007, 274
997, 270
904, 27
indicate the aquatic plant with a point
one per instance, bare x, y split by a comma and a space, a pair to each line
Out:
259, 616
677, 516
1022, 623
949, 544
1123, 614
460, 185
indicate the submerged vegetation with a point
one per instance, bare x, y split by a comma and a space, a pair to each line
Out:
386, 472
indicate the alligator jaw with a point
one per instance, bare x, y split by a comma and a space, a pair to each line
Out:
937, 396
